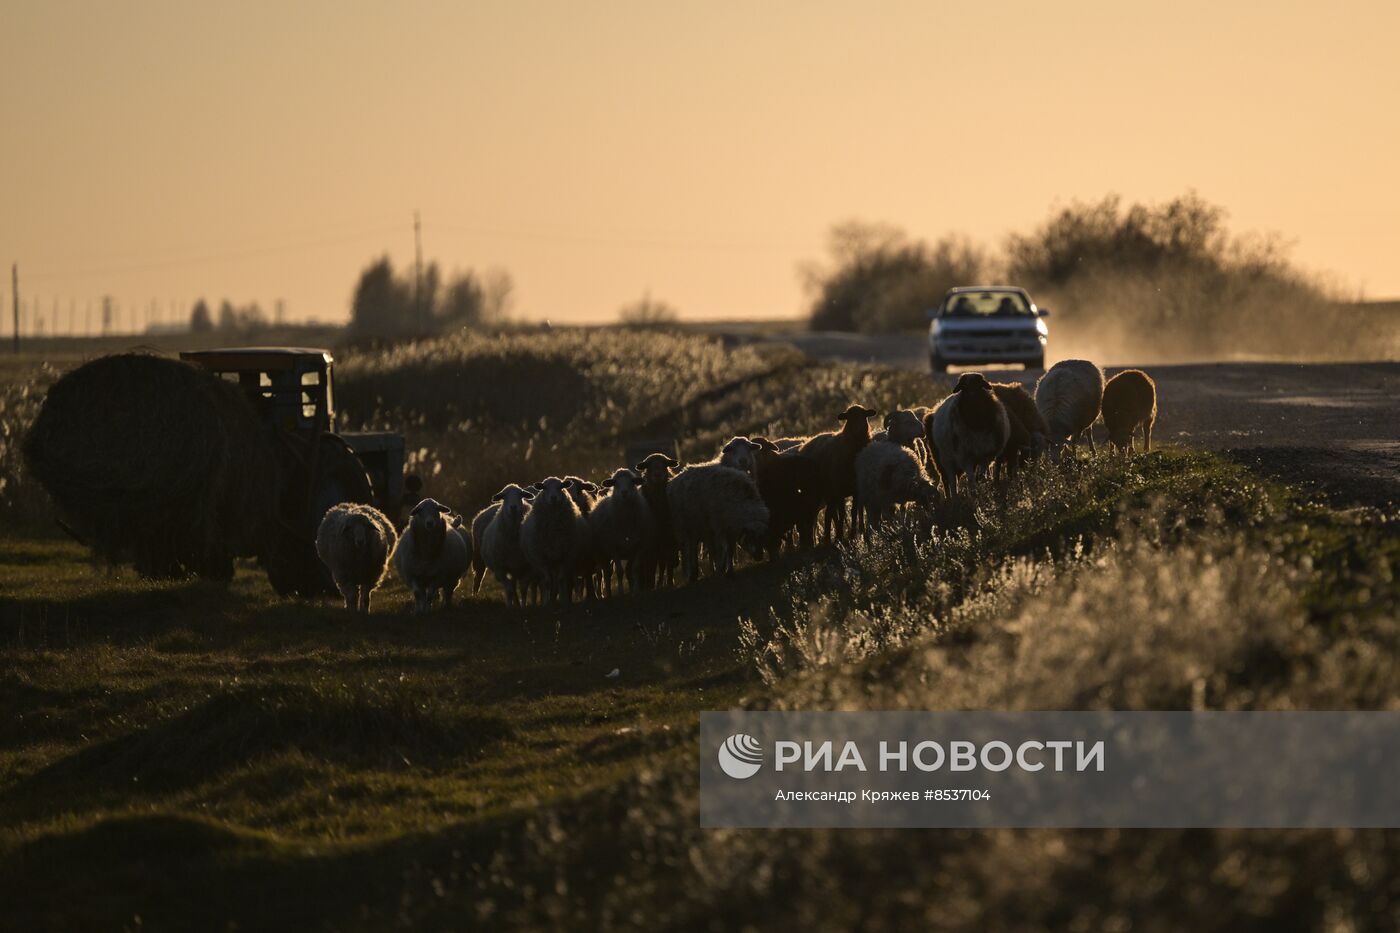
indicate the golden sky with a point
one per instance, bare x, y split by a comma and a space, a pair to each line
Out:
266, 150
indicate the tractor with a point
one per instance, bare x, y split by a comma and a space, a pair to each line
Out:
292, 390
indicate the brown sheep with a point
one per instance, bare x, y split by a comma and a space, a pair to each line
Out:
793, 489
661, 554
836, 452
1130, 402
1028, 428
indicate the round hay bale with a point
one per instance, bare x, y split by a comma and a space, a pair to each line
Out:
158, 463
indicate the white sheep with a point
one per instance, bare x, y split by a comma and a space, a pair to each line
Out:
888, 475
968, 430
621, 526
717, 506
499, 541
554, 536
903, 427
433, 555
1069, 397
354, 541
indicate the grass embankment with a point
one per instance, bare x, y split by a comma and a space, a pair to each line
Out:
192, 756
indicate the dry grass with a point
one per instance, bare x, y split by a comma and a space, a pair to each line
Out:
198, 757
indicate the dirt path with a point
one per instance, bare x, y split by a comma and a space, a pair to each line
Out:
1333, 424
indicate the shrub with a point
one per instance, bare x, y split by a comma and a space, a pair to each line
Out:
880, 280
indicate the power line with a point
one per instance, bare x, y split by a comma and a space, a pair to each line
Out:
627, 242
216, 257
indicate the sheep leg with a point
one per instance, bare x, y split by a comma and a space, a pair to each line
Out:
1147, 437
690, 559
447, 592
348, 591
364, 598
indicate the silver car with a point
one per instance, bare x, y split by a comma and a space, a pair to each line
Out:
980, 324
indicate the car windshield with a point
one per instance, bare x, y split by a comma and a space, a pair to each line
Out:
985, 304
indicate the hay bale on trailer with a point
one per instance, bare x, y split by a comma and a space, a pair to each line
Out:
156, 463
165, 466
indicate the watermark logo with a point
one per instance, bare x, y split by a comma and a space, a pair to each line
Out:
740, 756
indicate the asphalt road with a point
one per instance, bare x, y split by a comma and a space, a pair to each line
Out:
1333, 425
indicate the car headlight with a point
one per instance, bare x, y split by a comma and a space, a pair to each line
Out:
1040, 328
933, 329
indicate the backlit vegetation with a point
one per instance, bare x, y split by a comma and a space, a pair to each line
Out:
198, 757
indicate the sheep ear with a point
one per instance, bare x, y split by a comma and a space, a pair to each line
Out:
498, 497
608, 484
672, 463
591, 487
755, 446
442, 508
640, 468
869, 412
537, 487
887, 420
527, 495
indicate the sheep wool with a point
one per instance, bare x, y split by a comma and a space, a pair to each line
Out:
1129, 403
717, 506
888, 475
553, 537
354, 541
432, 555
968, 430
1069, 396
621, 525
500, 549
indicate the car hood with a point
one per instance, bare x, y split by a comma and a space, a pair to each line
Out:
975, 325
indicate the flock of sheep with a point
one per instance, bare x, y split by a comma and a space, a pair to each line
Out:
561, 538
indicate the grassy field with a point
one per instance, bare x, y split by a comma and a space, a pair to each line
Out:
180, 756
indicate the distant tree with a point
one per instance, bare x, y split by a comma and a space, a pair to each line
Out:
382, 305
878, 279
390, 304
498, 293
648, 312
1092, 237
462, 302
228, 316
240, 320
201, 321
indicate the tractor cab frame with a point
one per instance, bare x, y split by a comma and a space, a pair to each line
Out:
292, 389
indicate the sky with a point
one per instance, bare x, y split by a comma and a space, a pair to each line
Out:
266, 151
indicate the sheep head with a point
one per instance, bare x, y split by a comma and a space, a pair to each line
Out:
622, 481
357, 531
739, 454
512, 499
903, 427
429, 526
551, 490
975, 381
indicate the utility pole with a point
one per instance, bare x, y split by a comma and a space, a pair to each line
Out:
418, 275
14, 284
